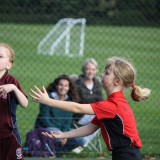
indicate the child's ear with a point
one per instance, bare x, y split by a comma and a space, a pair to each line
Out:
118, 82
9, 66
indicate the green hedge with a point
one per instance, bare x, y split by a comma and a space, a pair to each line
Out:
113, 12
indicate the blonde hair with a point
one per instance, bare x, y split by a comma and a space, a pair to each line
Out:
11, 51
89, 60
124, 71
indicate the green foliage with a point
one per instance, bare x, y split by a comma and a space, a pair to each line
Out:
96, 12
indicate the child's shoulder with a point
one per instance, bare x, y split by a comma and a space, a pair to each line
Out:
11, 79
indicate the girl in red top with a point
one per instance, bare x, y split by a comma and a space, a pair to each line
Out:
113, 116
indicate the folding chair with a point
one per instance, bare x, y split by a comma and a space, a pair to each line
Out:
92, 140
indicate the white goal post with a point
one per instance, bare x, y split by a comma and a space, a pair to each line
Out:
65, 38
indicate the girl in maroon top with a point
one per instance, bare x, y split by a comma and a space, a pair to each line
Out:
113, 116
11, 94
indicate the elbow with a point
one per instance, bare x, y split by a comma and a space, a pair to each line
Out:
78, 110
24, 104
75, 108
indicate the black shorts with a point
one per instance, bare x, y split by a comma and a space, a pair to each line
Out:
126, 153
10, 149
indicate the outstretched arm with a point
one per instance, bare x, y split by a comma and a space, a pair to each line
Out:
42, 97
4, 89
79, 132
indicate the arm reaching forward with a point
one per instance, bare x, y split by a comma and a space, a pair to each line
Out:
79, 132
4, 89
42, 97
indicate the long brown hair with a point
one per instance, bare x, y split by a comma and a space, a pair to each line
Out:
52, 87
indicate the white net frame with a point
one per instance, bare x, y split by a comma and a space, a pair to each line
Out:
65, 38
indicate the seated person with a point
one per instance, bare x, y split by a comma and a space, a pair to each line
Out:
57, 120
89, 90
88, 85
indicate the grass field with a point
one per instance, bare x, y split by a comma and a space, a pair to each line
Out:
136, 43
65, 158
73, 159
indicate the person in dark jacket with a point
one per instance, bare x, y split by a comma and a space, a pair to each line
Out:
88, 85
89, 90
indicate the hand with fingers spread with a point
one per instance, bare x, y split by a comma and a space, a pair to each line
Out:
38, 95
3, 92
55, 135
4, 89
7, 88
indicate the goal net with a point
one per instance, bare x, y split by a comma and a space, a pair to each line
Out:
65, 38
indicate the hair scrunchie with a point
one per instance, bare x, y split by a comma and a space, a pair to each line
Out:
133, 85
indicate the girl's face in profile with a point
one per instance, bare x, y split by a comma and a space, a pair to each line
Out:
63, 87
90, 71
108, 80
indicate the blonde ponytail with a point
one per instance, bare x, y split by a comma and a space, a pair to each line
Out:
139, 94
